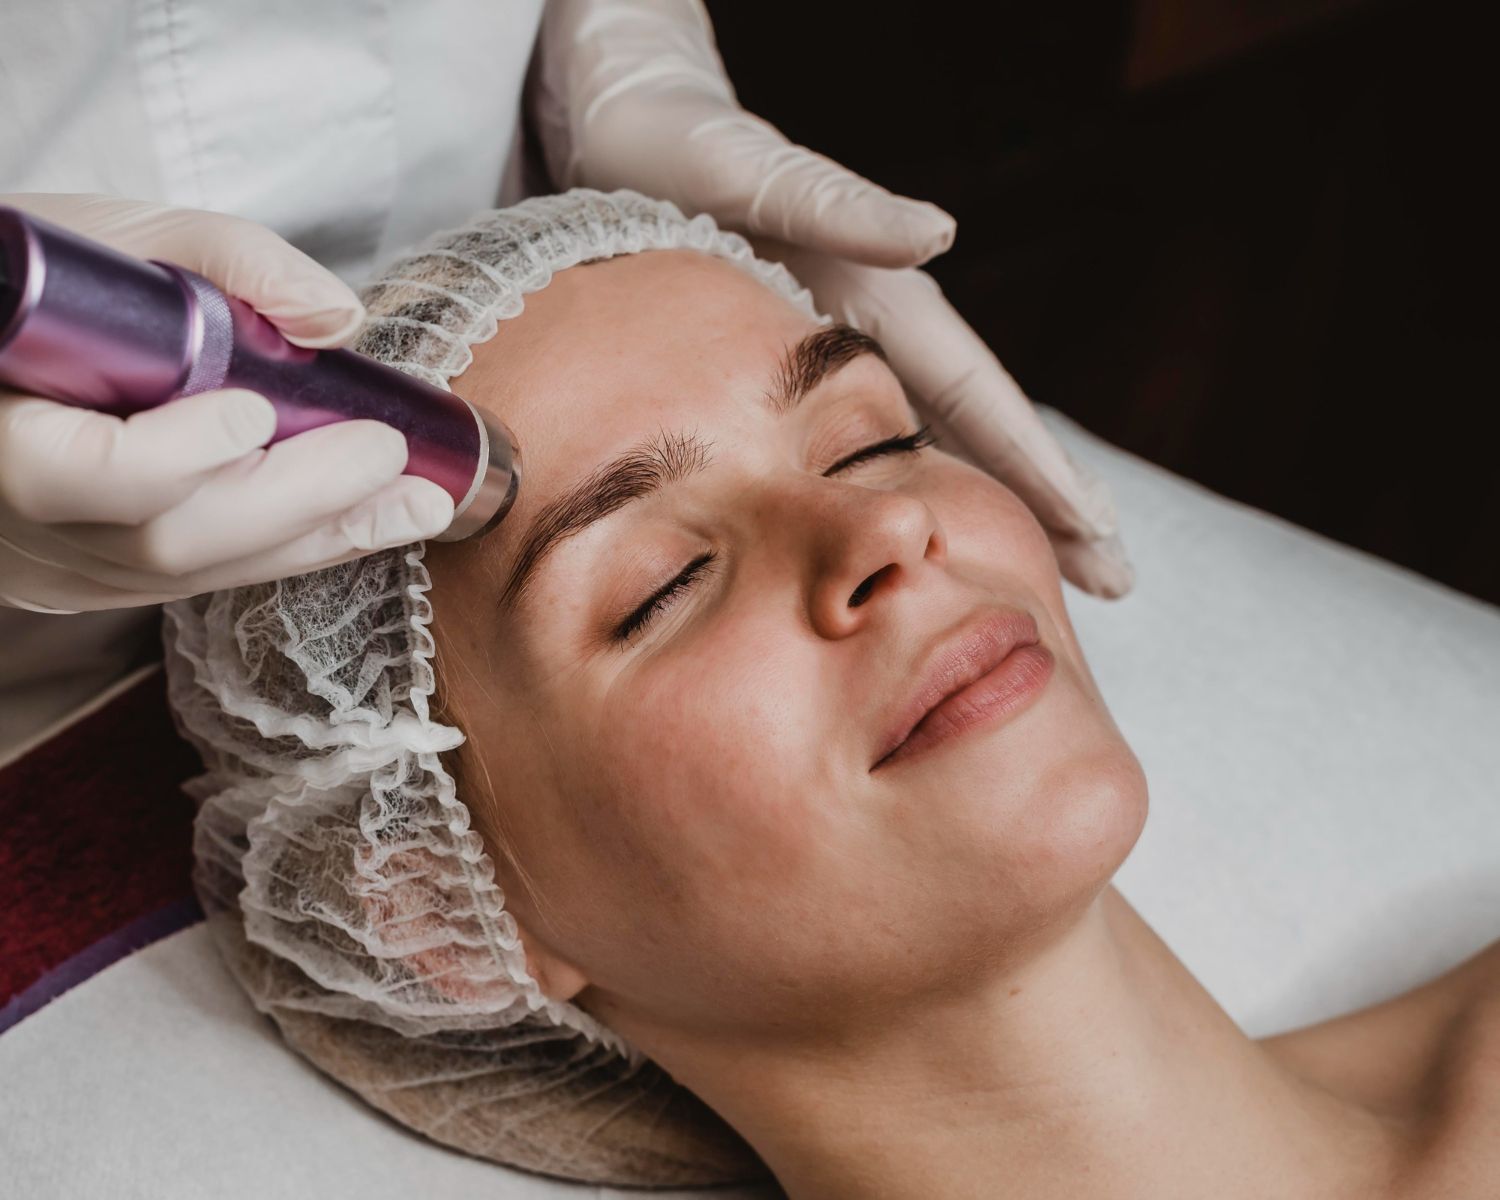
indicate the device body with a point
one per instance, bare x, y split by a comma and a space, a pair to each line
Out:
83, 324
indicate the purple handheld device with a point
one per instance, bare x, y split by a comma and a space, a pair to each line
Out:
86, 325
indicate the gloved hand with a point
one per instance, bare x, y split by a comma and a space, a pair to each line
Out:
632, 93
101, 512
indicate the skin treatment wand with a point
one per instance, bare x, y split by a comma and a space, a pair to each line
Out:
83, 324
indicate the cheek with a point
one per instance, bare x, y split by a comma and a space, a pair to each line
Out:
994, 537
714, 758
984, 517
996, 541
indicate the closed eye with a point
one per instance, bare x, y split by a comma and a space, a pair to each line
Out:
907, 443
665, 596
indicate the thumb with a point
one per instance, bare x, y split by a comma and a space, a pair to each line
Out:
311, 305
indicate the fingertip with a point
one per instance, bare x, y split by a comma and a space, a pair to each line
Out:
410, 509
385, 445
324, 329
309, 304
1098, 567
811, 201
1119, 584
1096, 503
430, 508
249, 418
900, 232
1115, 573
930, 230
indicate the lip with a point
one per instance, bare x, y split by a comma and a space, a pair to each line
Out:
992, 665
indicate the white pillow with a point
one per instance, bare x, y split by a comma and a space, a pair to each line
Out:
1321, 732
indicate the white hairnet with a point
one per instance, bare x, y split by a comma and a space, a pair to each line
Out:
337, 865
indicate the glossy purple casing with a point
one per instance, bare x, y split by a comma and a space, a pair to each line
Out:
83, 324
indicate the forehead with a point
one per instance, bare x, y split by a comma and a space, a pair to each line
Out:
612, 351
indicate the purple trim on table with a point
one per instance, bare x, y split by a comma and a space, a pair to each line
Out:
139, 934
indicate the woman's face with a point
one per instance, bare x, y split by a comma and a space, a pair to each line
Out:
694, 804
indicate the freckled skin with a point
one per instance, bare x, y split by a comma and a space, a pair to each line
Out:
709, 849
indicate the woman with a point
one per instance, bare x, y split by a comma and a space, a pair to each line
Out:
701, 835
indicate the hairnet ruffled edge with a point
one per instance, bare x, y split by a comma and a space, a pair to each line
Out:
674, 231
387, 750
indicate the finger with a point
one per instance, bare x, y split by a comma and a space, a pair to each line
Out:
61, 463
262, 500
650, 107
781, 190
310, 305
407, 510
990, 414
38, 586
1098, 567
949, 371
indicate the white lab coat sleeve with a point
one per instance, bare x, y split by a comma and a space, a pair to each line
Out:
353, 128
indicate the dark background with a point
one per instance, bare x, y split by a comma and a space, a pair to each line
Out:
1240, 238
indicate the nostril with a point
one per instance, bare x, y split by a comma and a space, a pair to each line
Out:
862, 592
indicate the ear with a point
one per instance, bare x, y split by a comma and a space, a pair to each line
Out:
442, 967
558, 977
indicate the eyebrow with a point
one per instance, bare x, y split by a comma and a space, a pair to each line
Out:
664, 459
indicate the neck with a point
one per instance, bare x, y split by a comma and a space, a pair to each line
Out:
1102, 1070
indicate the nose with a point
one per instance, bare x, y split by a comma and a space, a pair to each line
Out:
872, 542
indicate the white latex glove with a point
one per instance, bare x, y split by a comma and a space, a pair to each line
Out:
632, 93
101, 512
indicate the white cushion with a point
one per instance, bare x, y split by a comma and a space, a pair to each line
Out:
1321, 732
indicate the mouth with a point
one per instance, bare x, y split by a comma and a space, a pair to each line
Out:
992, 665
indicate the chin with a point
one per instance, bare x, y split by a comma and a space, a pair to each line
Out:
1089, 799
1017, 866
1103, 812
1061, 843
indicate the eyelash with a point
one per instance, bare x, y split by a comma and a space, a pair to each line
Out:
908, 443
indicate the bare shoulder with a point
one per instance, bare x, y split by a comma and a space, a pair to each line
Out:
1461, 1152
1403, 1056
1428, 1063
